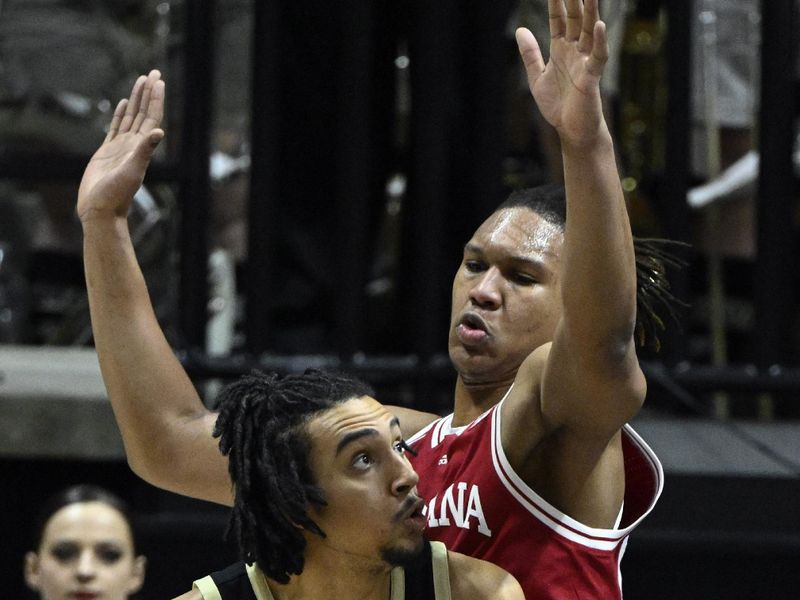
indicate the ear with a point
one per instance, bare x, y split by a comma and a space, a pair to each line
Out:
32, 570
137, 574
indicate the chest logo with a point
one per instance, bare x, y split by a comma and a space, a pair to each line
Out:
459, 506
443, 460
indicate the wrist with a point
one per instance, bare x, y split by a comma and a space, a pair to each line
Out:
95, 219
599, 142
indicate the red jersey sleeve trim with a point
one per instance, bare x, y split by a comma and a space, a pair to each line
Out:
560, 523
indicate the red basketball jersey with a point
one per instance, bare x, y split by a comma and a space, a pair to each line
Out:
478, 505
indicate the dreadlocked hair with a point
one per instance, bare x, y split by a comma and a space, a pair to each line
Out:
653, 258
262, 429
652, 288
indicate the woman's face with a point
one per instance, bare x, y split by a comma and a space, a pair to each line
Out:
86, 553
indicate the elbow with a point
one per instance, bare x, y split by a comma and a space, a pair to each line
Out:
598, 346
606, 330
619, 348
637, 390
147, 466
617, 357
139, 465
614, 348
616, 364
631, 384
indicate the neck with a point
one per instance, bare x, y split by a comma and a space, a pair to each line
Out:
473, 399
329, 574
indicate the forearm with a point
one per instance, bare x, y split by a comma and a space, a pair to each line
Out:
154, 402
599, 273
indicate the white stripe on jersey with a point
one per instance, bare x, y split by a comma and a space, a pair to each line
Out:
564, 525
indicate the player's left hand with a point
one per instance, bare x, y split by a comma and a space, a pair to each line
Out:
567, 88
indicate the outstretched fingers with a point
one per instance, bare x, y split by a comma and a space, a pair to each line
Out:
530, 53
599, 52
574, 20
558, 18
155, 108
132, 107
113, 129
591, 15
144, 105
142, 112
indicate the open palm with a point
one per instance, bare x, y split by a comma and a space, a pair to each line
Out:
566, 89
118, 167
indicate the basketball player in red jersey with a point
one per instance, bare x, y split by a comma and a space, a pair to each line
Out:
544, 468
535, 469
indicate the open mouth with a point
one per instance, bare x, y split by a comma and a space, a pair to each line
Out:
473, 321
414, 510
414, 518
472, 330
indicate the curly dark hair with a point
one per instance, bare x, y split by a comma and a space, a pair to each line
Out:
653, 258
262, 429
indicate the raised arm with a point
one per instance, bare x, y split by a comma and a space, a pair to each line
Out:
562, 421
592, 382
165, 427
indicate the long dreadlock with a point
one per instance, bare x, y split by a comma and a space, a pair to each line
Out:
262, 429
652, 260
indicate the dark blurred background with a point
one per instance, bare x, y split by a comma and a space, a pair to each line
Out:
324, 165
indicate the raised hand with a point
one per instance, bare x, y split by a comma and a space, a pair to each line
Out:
118, 167
566, 89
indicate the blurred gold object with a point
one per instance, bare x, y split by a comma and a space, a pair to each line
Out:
642, 109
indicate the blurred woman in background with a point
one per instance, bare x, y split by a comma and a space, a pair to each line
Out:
84, 548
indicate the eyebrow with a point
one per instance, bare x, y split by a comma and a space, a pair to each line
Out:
361, 433
533, 262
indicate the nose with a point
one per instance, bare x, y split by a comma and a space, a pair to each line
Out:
86, 567
486, 291
406, 477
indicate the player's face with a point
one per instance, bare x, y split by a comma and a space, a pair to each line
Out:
86, 553
506, 295
373, 513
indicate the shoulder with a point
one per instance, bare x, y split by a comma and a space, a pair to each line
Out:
475, 579
529, 376
523, 420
